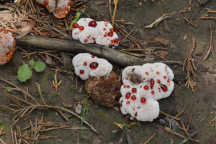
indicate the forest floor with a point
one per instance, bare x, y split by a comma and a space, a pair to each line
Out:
193, 108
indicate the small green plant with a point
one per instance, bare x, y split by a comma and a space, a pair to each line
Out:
25, 71
78, 14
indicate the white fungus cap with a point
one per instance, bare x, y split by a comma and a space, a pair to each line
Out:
132, 72
7, 46
142, 87
86, 65
104, 68
142, 109
87, 30
59, 8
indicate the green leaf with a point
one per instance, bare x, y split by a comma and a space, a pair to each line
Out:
78, 14
24, 73
39, 66
32, 62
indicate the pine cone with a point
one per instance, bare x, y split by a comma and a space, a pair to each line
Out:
105, 90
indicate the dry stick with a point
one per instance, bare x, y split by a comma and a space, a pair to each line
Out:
169, 116
187, 139
211, 43
150, 138
114, 11
31, 107
1, 141
18, 89
180, 135
115, 56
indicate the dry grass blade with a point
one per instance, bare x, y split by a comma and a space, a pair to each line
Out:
114, 11
1, 141
179, 135
190, 67
150, 138
170, 116
30, 107
160, 19
18, 89
211, 43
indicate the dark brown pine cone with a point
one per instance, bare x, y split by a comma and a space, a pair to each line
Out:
105, 90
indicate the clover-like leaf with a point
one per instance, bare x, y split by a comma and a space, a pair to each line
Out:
39, 66
32, 62
24, 73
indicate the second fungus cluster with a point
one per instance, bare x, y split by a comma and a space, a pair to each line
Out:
142, 86
7, 46
59, 8
86, 65
87, 30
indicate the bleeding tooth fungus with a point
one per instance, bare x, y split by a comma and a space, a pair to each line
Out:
87, 65
7, 46
148, 83
59, 8
87, 30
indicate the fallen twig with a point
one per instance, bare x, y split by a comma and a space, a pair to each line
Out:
187, 139
74, 46
180, 135
170, 116
150, 138
30, 107
160, 19
211, 43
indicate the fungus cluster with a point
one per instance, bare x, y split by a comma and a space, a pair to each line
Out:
86, 65
142, 86
87, 30
7, 46
59, 8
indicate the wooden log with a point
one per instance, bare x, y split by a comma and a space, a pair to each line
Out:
73, 46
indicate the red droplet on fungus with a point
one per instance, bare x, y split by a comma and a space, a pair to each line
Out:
112, 30
127, 102
86, 41
136, 114
165, 77
163, 87
158, 81
127, 96
134, 90
152, 83
110, 34
152, 92
81, 72
45, 3
75, 25
92, 23
146, 87
146, 73
85, 64
143, 100
133, 97
81, 28
116, 41
93, 65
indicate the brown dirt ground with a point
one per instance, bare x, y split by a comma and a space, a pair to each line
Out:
198, 105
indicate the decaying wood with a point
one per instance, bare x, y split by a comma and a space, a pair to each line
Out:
112, 55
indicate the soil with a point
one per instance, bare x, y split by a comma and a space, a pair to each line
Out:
199, 106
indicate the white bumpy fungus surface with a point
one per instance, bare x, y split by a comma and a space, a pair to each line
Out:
87, 65
142, 86
7, 46
87, 30
59, 8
